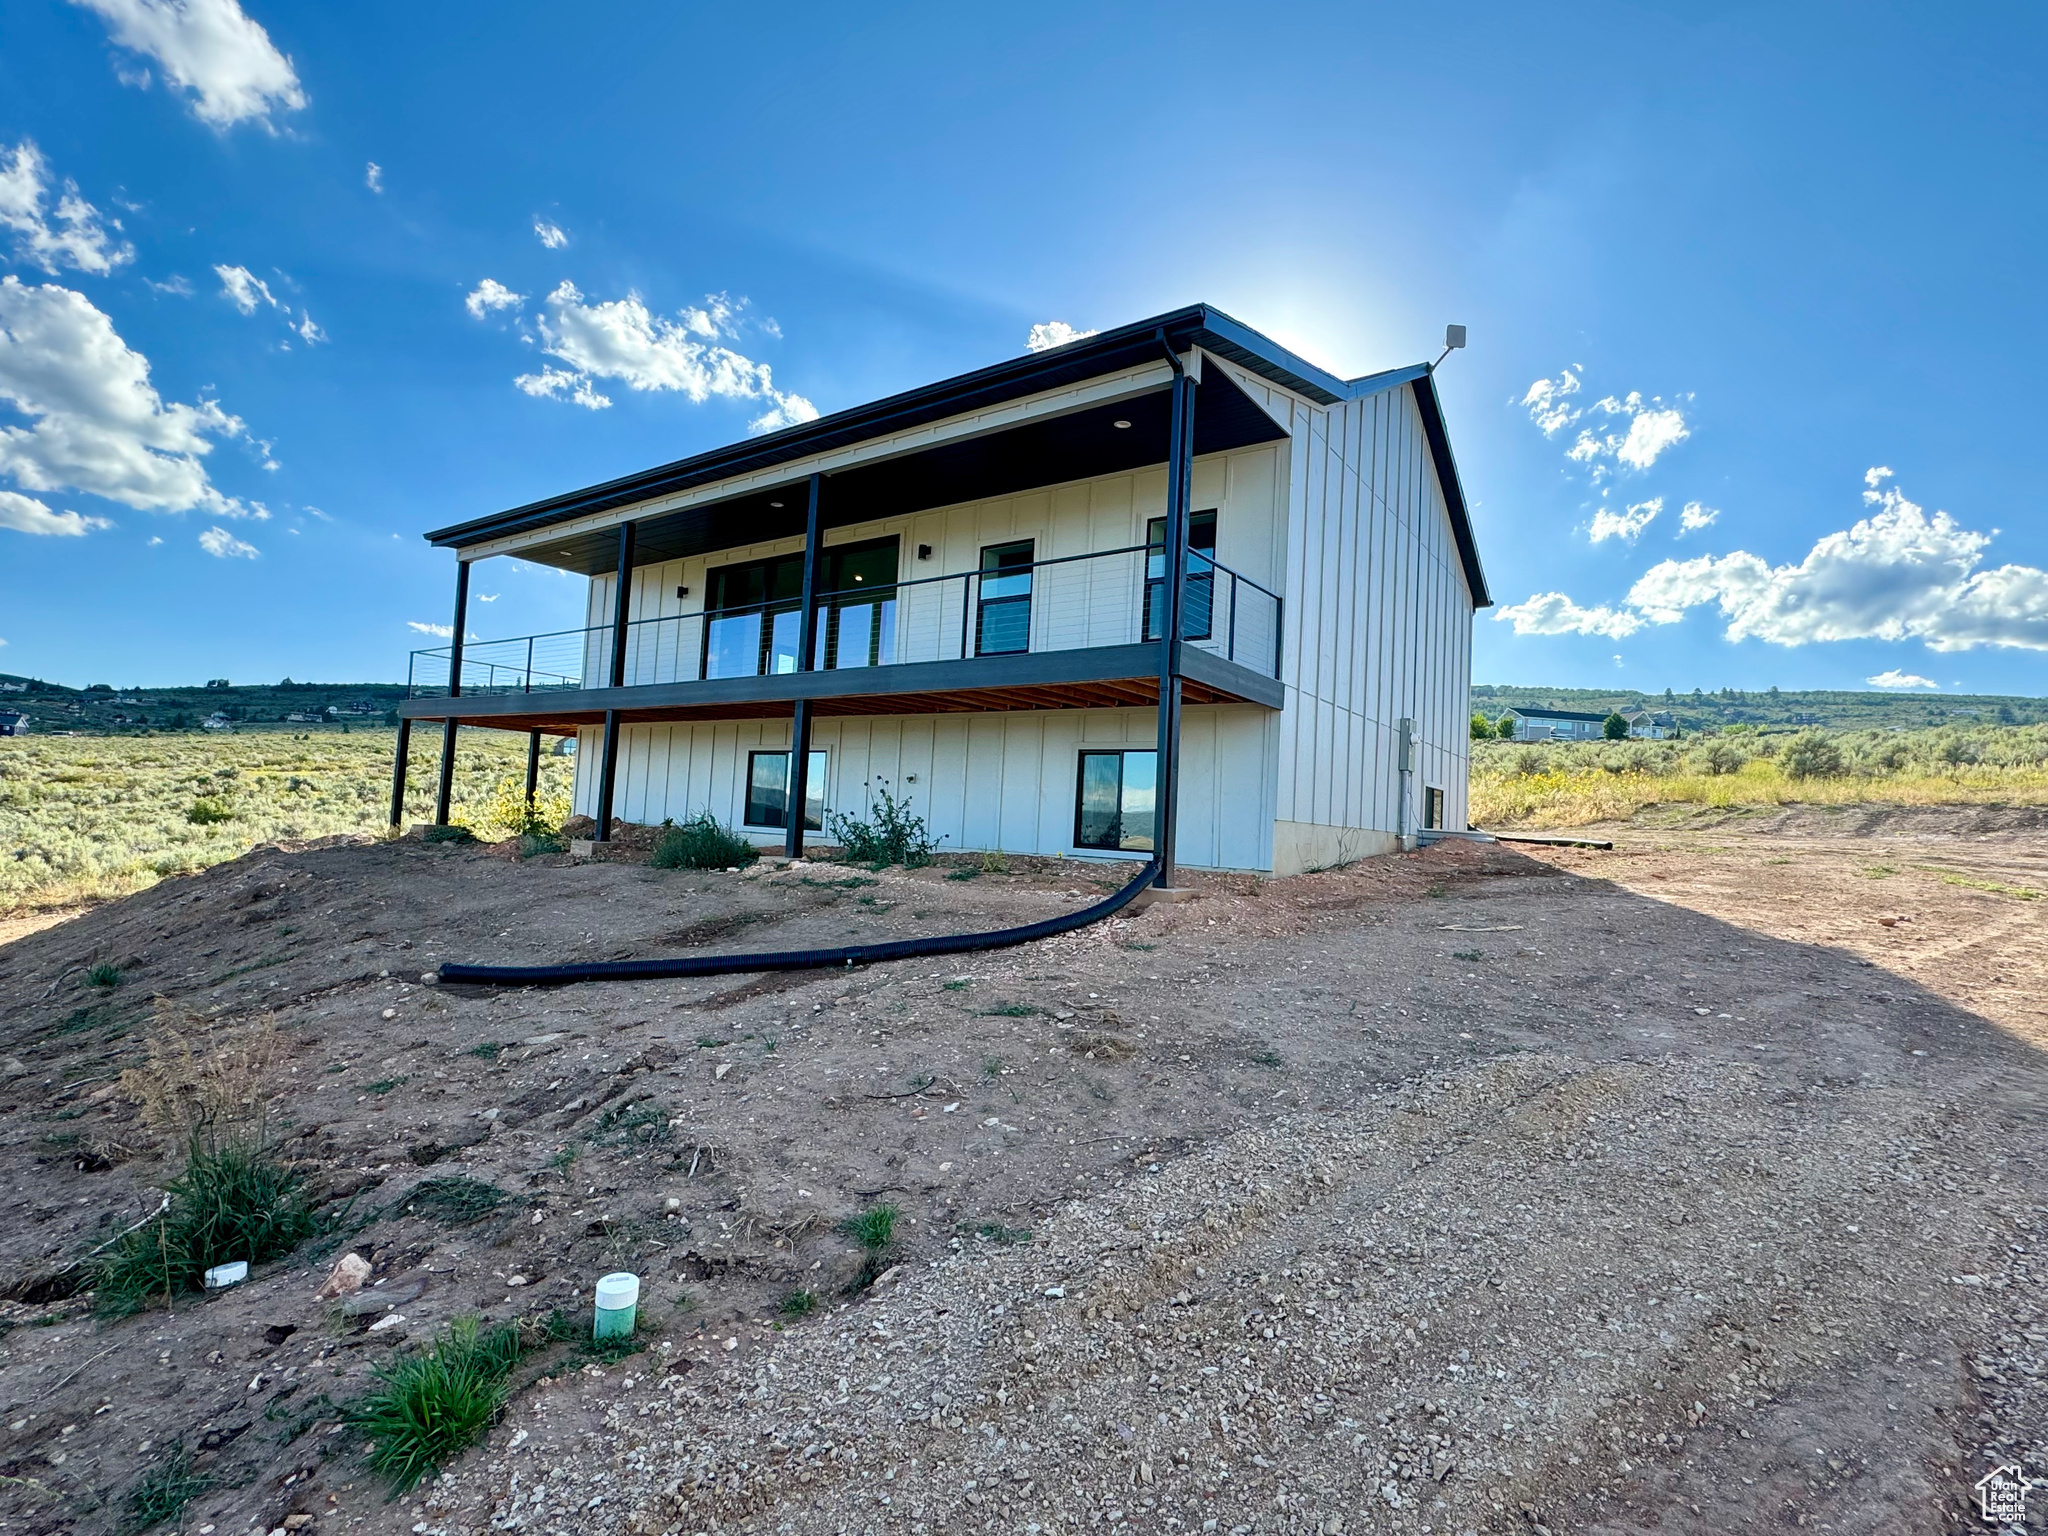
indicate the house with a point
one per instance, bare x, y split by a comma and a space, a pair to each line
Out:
216, 722
1650, 724
965, 593
1558, 725
13, 723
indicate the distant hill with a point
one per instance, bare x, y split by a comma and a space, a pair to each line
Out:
1842, 710
103, 710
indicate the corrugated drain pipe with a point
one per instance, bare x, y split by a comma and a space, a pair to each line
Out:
793, 959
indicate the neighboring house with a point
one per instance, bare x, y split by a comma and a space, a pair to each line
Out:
1557, 725
217, 722
961, 594
13, 723
1650, 724
304, 717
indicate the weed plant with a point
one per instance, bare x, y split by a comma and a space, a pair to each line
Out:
703, 842
162, 1492
889, 834
427, 1409
103, 975
233, 1201
452, 1200
798, 1303
874, 1229
449, 832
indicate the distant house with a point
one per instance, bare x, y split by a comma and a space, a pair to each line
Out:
217, 722
1557, 725
303, 717
13, 687
13, 723
1650, 724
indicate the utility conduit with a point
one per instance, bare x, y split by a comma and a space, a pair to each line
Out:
793, 959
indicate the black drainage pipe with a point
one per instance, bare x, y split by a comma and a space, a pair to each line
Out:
793, 959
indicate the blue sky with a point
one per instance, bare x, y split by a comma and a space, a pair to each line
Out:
1758, 255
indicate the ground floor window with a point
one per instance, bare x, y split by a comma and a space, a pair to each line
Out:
1432, 807
1114, 801
768, 791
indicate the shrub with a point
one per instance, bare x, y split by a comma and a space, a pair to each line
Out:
428, 1409
104, 974
889, 835
1812, 755
208, 810
449, 833
233, 1201
1504, 727
1482, 728
702, 843
1528, 763
1719, 757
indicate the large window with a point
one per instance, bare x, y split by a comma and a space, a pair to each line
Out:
753, 612
768, 791
1113, 805
1432, 807
1003, 626
1198, 612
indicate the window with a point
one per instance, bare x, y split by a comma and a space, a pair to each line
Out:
857, 606
1003, 626
768, 791
751, 615
1432, 807
1199, 599
1113, 803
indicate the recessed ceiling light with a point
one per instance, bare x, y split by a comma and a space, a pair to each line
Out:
774, 503
1120, 425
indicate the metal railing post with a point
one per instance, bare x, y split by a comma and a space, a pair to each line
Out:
1230, 644
529, 664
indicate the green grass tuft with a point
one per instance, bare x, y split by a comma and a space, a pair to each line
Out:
453, 1200
965, 872
233, 1201
996, 1232
798, 1303
488, 1051
703, 842
640, 1123
105, 974
164, 1490
873, 1228
427, 1409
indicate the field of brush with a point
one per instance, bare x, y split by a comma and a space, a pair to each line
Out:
1569, 784
82, 818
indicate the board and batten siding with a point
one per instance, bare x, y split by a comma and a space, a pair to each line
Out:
982, 781
1379, 628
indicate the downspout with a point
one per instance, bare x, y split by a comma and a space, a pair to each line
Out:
1406, 761
1166, 787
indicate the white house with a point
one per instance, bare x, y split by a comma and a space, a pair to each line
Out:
963, 592
1557, 724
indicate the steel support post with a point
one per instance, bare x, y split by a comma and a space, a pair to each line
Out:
608, 769
806, 659
398, 764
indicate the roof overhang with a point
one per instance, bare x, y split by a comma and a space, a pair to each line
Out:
1118, 374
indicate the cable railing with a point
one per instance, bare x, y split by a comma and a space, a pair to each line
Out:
1067, 602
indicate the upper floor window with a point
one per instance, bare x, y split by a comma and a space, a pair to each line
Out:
1003, 624
753, 611
1199, 596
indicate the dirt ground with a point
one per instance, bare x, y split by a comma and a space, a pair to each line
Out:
1691, 1186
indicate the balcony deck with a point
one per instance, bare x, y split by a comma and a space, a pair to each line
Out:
914, 644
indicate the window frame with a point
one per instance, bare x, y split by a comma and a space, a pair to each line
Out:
1202, 521
1432, 808
820, 763
984, 603
1080, 790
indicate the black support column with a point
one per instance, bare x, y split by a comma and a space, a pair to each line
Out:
806, 658
532, 770
398, 763
446, 790
1172, 593
608, 769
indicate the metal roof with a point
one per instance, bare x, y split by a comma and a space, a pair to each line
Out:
1198, 325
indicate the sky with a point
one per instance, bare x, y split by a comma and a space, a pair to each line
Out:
1752, 394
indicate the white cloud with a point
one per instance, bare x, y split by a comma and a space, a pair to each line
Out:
488, 597
1876, 475
1052, 333
1897, 679
210, 49
1626, 526
1895, 575
1694, 516
620, 339
551, 235
177, 287
244, 289
308, 330
24, 514
490, 294
1547, 400
223, 545
439, 631
1654, 426
373, 177
96, 422
1552, 613
78, 240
